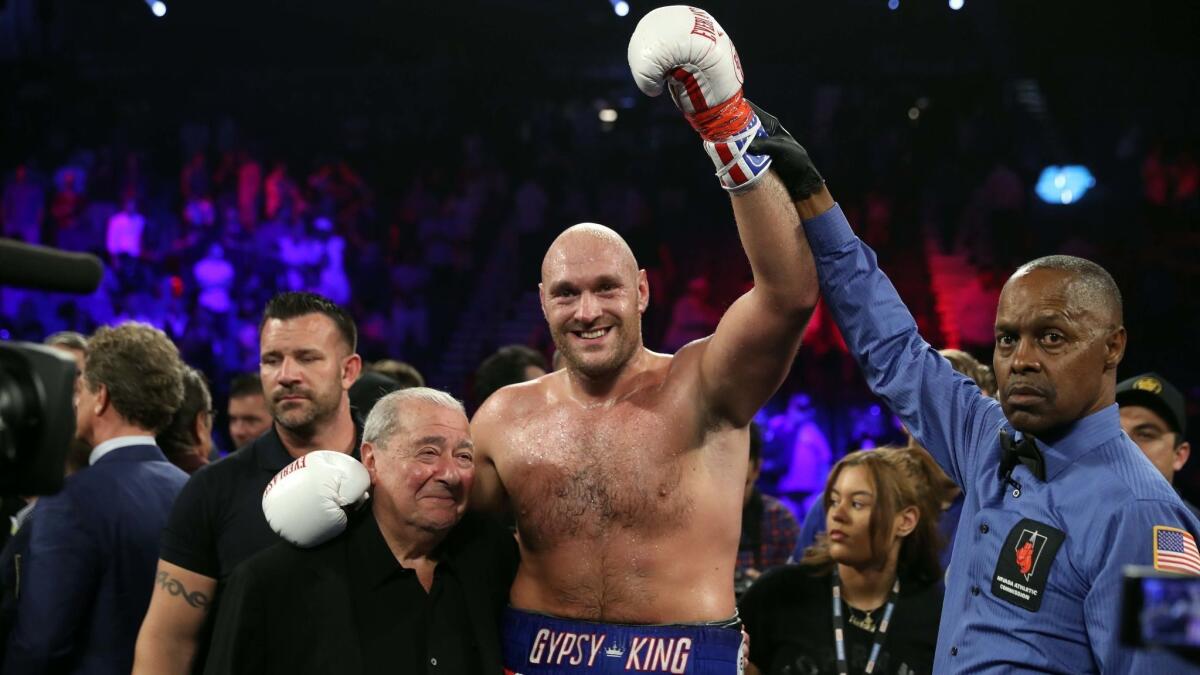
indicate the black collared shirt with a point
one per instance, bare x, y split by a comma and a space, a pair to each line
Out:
349, 607
401, 627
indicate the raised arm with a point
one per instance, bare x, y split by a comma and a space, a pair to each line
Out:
685, 51
752, 350
944, 410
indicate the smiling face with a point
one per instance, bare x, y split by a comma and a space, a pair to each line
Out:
593, 297
423, 473
1057, 350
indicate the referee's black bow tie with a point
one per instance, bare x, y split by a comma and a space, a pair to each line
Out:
1024, 451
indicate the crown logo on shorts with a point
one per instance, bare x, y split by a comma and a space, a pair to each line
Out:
614, 651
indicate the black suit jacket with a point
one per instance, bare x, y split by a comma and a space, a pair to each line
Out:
289, 610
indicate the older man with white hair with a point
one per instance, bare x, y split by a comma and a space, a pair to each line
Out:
413, 584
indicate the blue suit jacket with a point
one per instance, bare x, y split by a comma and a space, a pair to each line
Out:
89, 573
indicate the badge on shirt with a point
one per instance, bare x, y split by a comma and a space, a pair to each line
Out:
1024, 564
1175, 550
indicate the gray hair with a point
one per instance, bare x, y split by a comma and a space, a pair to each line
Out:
386, 417
68, 339
1095, 287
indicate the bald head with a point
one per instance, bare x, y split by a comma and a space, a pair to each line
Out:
1059, 340
589, 242
593, 297
1089, 285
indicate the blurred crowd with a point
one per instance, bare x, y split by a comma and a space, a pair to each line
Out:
437, 265
437, 258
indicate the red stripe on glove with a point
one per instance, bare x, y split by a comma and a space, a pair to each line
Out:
692, 87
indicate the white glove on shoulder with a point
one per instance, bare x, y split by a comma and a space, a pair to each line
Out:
306, 502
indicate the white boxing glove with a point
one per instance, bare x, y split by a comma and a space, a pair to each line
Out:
306, 502
684, 50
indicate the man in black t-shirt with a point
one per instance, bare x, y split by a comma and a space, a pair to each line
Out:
307, 364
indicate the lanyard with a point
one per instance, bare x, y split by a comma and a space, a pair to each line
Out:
839, 626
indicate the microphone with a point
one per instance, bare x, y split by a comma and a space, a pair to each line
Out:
1012, 482
48, 269
1009, 459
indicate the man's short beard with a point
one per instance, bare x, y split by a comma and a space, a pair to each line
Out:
592, 370
307, 426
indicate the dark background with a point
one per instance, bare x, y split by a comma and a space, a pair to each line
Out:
492, 96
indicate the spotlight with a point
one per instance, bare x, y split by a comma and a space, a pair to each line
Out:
608, 115
620, 7
956, 4
1064, 184
893, 5
157, 7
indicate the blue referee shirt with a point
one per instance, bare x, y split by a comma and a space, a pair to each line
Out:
1035, 580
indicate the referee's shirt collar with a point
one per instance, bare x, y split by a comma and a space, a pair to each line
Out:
1079, 438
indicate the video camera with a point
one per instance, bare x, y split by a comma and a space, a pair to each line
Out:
37, 416
1161, 610
37, 419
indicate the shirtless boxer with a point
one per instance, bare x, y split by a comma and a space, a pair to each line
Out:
626, 469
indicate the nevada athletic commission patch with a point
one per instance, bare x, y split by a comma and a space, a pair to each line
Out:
1024, 563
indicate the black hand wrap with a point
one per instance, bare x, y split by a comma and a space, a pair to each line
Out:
789, 159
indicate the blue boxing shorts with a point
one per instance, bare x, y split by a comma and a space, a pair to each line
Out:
537, 644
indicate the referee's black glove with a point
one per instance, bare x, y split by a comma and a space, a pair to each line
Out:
789, 159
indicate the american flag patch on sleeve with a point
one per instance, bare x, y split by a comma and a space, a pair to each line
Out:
1175, 551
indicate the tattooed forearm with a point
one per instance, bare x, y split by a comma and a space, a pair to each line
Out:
175, 587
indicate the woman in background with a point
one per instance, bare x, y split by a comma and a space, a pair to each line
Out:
868, 589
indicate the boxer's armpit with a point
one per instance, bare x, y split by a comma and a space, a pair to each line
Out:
488, 493
177, 588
